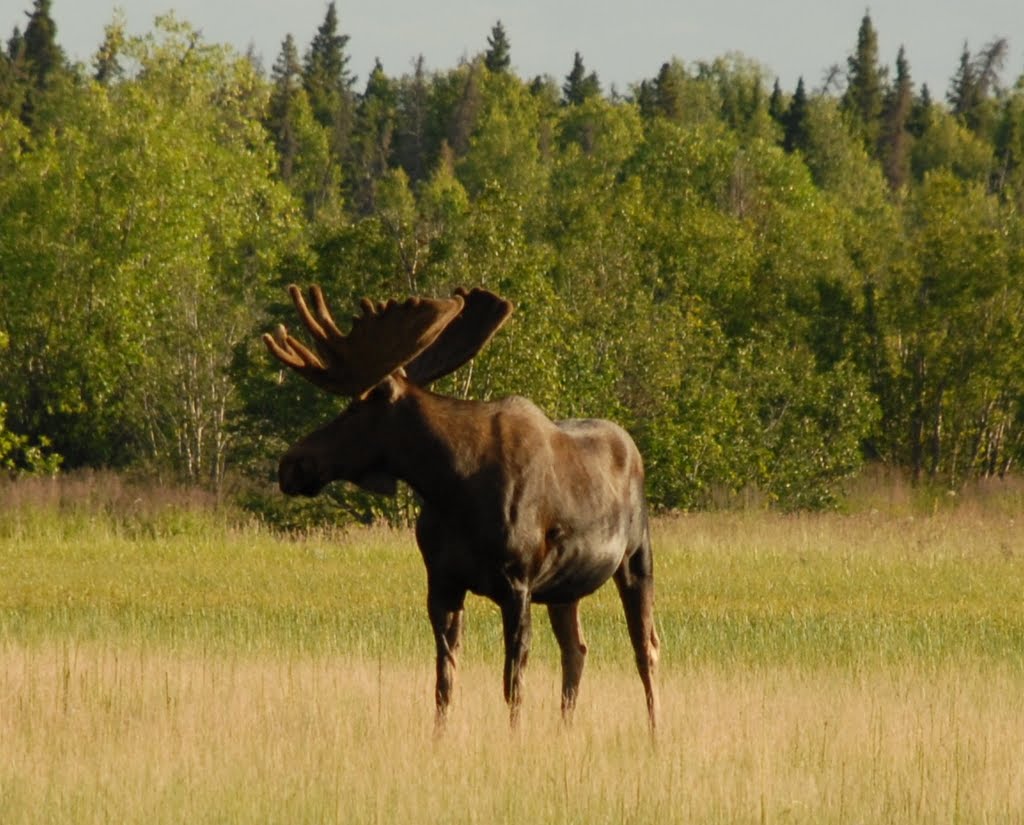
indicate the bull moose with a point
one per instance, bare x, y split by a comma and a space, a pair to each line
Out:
514, 507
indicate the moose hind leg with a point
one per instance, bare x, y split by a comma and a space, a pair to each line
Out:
515, 619
446, 621
635, 581
565, 621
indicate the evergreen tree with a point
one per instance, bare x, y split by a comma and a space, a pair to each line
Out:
989, 64
863, 98
329, 83
464, 116
304, 157
411, 129
578, 84
894, 141
964, 91
670, 92
44, 59
974, 84
920, 112
376, 118
43, 56
1009, 146
795, 123
545, 88
286, 80
498, 57
776, 104
645, 98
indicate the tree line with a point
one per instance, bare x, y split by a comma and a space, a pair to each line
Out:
768, 288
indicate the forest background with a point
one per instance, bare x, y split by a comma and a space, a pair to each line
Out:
769, 288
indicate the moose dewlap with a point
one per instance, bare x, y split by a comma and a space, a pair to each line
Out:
515, 507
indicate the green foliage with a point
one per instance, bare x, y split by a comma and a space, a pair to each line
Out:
126, 292
947, 144
19, 456
765, 289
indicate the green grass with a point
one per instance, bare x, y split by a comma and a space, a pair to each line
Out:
750, 588
160, 663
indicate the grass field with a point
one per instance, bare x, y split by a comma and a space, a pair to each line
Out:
158, 664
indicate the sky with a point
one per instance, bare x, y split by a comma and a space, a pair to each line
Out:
624, 42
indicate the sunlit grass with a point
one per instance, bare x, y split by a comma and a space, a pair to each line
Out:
95, 734
169, 665
813, 590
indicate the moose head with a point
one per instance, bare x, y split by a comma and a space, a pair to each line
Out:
390, 347
515, 507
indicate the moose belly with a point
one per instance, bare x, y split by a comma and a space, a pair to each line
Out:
571, 570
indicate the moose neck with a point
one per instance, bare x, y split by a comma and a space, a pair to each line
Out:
439, 445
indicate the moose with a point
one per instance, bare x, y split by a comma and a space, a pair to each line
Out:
514, 507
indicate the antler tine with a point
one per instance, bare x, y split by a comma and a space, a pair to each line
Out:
278, 346
325, 317
327, 368
331, 344
307, 317
382, 339
291, 351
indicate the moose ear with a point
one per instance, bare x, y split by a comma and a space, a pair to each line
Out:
482, 315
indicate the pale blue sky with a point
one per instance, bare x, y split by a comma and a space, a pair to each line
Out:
624, 42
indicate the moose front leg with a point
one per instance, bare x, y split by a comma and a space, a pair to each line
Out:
446, 621
565, 621
515, 619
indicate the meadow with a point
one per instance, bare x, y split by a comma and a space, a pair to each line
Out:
161, 661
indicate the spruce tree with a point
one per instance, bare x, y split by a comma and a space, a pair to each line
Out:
670, 90
286, 83
776, 104
329, 83
795, 123
894, 141
864, 94
411, 130
989, 64
42, 63
376, 117
43, 56
646, 100
578, 84
964, 90
499, 56
464, 116
920, 112
975, 83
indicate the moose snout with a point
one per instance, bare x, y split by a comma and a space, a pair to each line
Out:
299, 476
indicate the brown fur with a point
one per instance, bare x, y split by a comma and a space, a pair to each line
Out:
515, 508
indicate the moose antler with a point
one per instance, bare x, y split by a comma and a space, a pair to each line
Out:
383, 339
483, 314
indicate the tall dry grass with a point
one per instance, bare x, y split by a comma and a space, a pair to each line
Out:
94, 734
160, 662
